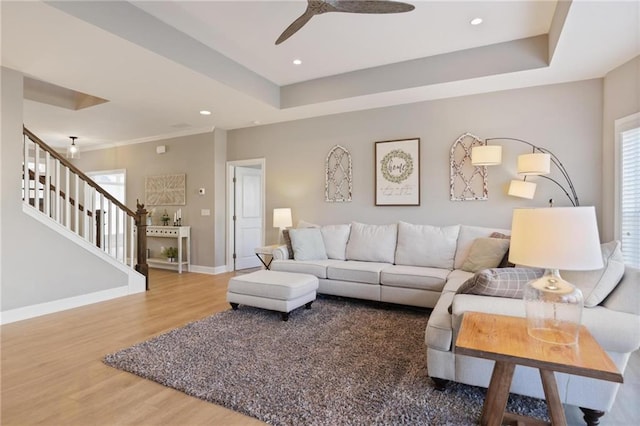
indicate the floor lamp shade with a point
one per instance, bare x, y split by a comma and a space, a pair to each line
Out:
486, 155
534, 164
555, 238
522, 189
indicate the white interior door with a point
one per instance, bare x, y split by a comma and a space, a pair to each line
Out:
248, 213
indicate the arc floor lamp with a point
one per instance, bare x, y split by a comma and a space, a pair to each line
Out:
537, 163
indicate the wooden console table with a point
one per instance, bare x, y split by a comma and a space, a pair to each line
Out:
505, 340
179, 233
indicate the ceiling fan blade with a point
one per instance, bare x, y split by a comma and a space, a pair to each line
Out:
370, 6
296, 25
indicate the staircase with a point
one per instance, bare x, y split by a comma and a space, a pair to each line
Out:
62, 196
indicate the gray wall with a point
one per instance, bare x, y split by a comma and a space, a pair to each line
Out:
565, 118
37, 264
193, 155
621, 98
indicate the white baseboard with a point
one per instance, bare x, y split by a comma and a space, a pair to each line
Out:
40, 309
208, 269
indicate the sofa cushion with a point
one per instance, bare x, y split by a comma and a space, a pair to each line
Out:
455, 279
426, 245
312, 267
372, 243
355, 271
307, 244
465, 239
335, 239
625, 297
414, 277
504, 263
596, 285
485, 253
500, 282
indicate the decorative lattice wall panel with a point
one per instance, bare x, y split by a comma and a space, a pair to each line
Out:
338, 181
467, 182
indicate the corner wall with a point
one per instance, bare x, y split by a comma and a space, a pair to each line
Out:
565, 118
37, 265
621, 99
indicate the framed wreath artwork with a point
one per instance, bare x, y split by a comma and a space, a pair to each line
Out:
397, 174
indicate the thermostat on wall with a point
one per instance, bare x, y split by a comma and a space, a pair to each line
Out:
161, 149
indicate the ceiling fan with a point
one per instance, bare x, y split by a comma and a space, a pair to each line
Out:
317, 7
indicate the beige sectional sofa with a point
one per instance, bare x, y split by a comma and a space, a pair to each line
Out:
396, 263
423, 265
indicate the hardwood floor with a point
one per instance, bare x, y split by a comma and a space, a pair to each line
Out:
52, 373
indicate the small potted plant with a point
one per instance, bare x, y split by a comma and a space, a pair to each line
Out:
171, 253
165, 218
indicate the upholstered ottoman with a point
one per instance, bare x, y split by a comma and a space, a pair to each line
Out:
273, 290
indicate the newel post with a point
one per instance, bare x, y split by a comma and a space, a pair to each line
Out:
99, 229
141, 225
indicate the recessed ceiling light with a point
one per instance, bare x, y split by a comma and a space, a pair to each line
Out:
297, 62
476, 21
255, 122
205, 112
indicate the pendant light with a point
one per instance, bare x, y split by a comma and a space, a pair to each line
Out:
72, 150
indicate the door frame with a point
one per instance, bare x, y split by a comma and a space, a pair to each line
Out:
231, 167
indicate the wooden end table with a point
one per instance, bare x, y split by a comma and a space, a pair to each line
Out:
505, 340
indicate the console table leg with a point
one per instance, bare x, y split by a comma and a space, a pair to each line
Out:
592, 417
554, 405
498, 393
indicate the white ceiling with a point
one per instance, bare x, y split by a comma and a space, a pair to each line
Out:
159, 63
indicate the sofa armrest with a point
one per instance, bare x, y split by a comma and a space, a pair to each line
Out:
280, 253
626, 296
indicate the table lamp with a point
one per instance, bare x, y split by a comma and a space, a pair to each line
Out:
555, 238
282, 219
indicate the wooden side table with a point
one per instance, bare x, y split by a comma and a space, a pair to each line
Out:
266, 252
505, 340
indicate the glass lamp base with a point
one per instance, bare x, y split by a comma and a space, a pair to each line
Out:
554, 309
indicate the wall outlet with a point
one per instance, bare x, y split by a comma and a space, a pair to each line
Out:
201, 191
205, 212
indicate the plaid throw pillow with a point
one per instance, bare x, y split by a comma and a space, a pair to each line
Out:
500, 282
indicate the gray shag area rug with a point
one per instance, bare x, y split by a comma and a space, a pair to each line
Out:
343, 362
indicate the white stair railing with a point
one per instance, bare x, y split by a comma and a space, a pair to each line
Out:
83, 207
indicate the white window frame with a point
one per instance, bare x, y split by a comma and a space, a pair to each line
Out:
621, 125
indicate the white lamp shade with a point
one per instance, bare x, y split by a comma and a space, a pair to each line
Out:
534, 164
556, 238
487, 155
282, 218
522, 189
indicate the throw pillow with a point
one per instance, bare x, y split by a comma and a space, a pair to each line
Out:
335, 239
500, 282
485, 253
372, 243
307, 244
596, 285
504, 263
287, 241
426, 245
